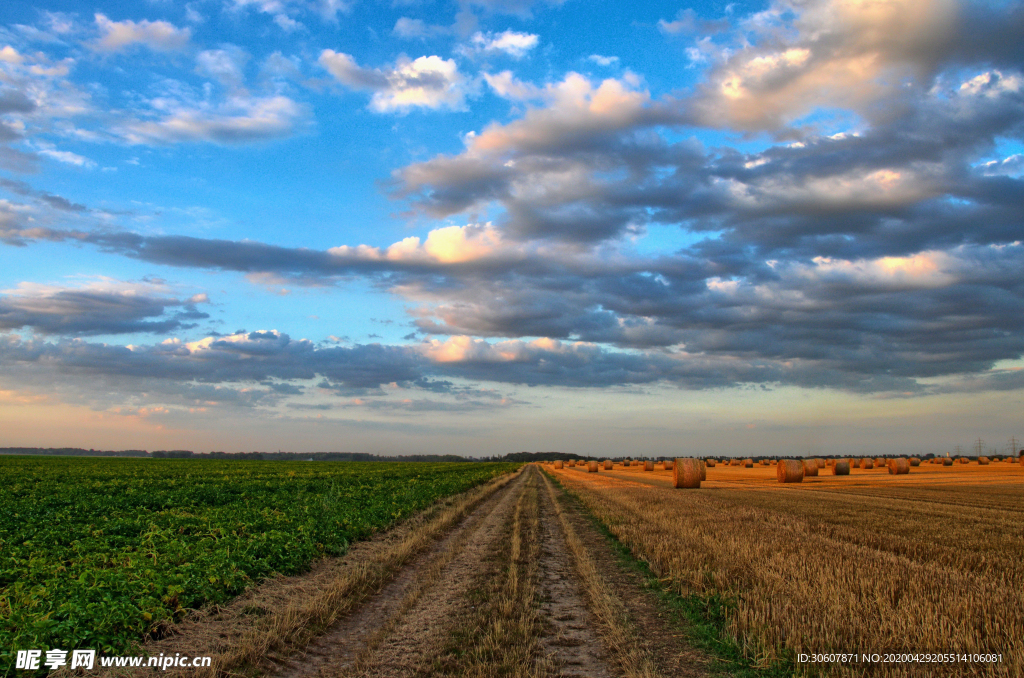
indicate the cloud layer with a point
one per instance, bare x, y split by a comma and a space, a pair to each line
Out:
835, 202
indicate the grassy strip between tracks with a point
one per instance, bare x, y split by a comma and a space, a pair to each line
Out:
702, 618
499, 637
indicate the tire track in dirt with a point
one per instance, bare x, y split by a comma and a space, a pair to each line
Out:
570, 638
409, 612
662, 644
403, 632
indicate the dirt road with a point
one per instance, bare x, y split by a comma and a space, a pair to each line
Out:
509, 579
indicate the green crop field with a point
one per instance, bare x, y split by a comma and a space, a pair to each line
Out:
95, 552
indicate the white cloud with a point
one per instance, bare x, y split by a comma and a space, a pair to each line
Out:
156, 35
507, 86
603, 60
37, 93
192, 15
426, 82
833, 53
446, 245
576, 107
512, 43
1011, 166
991, 84
224, 65
685, 22
239, 119
10, 55
522, 8
329, 9
416, 28
287, 24
279, 67
283, 12
67, 157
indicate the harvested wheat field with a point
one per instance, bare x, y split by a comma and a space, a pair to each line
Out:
931, 561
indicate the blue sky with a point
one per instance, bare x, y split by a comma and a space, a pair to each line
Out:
493, 225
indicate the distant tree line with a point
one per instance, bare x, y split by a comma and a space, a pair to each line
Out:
539, 456
73, 452
239, 456
346, 456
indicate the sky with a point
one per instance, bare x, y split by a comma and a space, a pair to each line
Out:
486, 226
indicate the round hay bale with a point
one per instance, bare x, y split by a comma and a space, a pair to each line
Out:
572, 462
667, 465
867, 463
899, 466
748, 463
703, 470
790, 471
879, 462
810, 467
963, 460
983, 461
625, 463
734, 462
591, 467
686, 473
914, 461
841, 468
711, 462
607, 464
947, 461
648, 465
558, 464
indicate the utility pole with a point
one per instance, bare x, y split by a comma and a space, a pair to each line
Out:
959, 451
979, 447
1013, 446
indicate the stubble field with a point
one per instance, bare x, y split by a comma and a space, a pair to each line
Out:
930, 562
